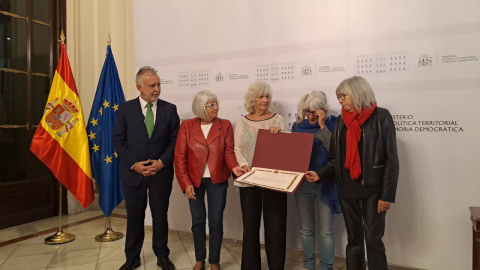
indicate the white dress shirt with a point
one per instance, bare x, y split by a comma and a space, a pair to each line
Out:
143, 104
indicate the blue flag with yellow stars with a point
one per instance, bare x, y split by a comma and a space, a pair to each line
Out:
99, 130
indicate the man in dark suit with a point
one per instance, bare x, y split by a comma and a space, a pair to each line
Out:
144, 136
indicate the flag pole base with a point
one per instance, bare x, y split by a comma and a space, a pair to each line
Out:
108, 236
59, 238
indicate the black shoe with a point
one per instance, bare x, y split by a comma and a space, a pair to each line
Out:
129, 265
203, 265
165, 264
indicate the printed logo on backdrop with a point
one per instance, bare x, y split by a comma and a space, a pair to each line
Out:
203, 78
408, 123
193, 78
382, 63
183, 80
425, 60
276, 72
219, 77
307, 70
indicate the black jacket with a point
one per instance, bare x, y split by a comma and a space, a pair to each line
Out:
379, 160
131, 142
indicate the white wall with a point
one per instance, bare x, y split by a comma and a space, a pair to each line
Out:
437, 45
428, 227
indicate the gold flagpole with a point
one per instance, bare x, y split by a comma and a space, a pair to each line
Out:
109, 235
60, 237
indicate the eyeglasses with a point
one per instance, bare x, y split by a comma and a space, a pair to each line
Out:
342, 96
307, 112
213, 105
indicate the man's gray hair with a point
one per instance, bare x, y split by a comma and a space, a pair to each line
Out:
256, 89
316, 100
359, 90
144, 70
200, 101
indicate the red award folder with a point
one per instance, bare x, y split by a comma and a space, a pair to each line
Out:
278, 157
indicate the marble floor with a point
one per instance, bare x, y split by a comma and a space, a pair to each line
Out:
22, 247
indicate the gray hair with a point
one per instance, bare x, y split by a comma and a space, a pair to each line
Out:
200, 101
316, 100
144, 70
359, 90
256, 89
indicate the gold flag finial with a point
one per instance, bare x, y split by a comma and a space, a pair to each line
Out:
109, 40
62, 38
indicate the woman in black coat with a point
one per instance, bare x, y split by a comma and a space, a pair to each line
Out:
363, 158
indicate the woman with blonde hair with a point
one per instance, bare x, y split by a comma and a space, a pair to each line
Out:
255, 199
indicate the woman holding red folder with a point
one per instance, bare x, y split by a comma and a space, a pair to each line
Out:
255, 199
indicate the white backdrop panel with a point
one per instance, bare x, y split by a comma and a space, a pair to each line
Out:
421, 58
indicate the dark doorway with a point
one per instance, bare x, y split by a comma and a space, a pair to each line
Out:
29, 33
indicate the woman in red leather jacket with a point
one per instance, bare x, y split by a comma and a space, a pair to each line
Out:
204, 160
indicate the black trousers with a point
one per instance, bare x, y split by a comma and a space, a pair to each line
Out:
136, 202
274, 205
363, 223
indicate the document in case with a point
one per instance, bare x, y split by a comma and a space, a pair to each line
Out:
280, 160
285, 181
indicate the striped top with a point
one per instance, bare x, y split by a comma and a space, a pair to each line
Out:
246, 132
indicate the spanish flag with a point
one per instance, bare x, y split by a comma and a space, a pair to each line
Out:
60, 140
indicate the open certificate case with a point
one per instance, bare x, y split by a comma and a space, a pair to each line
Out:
280, 160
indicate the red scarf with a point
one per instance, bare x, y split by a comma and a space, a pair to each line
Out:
354, 121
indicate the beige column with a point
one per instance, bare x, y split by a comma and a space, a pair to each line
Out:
89, 23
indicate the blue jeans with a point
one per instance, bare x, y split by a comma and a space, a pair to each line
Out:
217, 197
315, 219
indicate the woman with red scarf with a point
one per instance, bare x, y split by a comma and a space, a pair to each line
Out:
363, 158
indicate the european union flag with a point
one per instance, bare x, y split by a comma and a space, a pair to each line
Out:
99, 129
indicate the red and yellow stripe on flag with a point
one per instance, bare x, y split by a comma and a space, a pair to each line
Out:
60, 140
